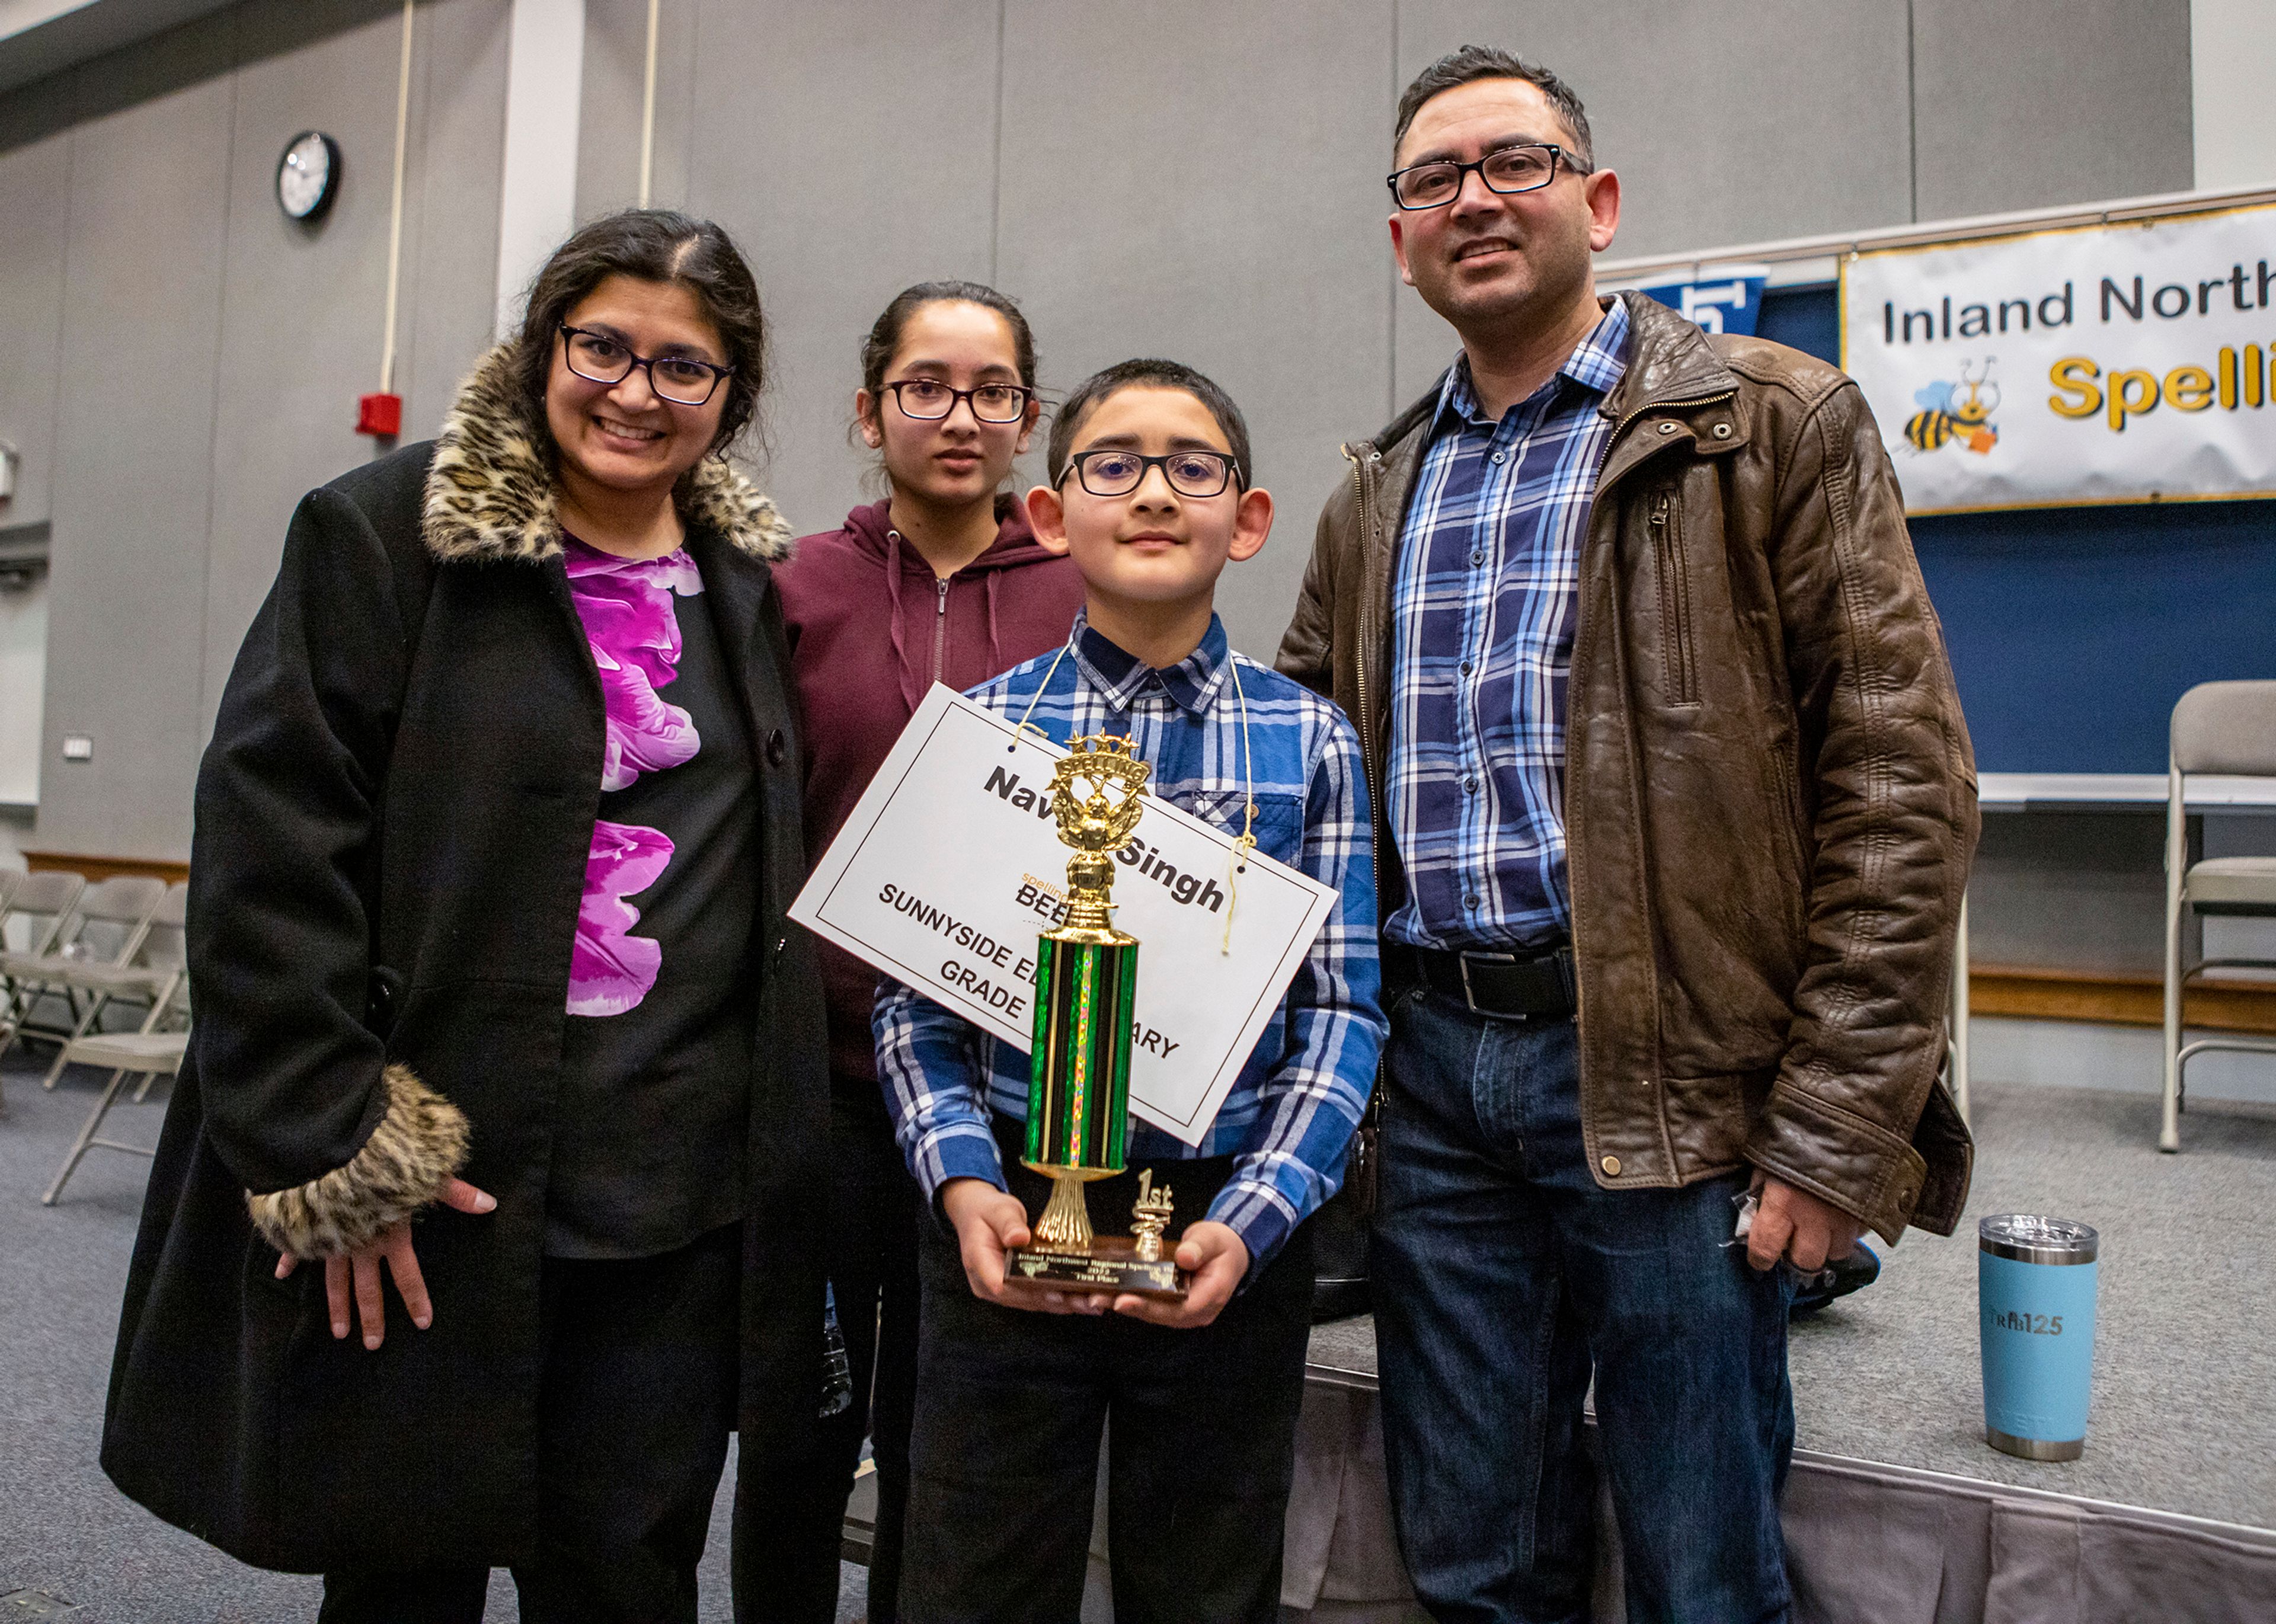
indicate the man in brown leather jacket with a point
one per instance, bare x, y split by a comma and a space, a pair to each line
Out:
1675, 806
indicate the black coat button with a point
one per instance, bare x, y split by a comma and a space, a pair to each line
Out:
776, 747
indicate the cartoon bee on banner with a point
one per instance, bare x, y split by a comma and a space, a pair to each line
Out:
1956, 414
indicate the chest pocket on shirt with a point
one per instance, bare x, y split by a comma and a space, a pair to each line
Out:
1280, 827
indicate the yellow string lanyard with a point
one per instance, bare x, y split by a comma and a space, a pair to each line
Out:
1237, 860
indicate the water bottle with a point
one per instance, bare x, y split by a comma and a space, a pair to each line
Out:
2035, 1281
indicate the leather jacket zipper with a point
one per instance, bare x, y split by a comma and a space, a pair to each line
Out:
1674, 604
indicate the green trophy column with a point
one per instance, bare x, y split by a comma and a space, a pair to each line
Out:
1079, 1083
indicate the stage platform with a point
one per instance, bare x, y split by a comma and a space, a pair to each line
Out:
1897, 1509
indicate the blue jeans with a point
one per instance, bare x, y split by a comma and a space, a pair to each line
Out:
1504, 1277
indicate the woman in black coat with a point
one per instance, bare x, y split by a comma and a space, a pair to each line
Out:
486, 1204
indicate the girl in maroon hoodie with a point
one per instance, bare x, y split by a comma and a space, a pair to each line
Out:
940, 582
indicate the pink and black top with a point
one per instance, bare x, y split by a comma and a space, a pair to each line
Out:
649, 1152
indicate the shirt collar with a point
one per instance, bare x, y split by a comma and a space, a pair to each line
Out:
1122, 678
1595, 364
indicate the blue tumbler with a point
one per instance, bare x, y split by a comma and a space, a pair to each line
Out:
2035, 1296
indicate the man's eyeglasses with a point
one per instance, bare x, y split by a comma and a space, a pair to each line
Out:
1525, 168
1118, 473
929, 399
599, 359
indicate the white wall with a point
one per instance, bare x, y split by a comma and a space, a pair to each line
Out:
23, 680
2232, 70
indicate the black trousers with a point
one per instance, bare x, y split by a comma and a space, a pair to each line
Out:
636, 1405
875, 1210
1003, 1460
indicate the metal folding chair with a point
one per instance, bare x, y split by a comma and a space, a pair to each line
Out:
2227, 728
40, 905
105, 929
157, 963
148, 1054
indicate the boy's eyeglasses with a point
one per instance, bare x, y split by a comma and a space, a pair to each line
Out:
1525, 168
1118, 473
929, 399
598, 359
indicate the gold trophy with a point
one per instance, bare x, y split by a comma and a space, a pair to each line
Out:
1078, 1080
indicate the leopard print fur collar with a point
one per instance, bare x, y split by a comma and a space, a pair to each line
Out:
489, 494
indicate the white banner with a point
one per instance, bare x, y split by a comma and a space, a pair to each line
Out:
951, 865
2098, 364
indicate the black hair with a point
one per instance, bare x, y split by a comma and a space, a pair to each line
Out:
886, 333
1472, 63
650, 244
1066, 422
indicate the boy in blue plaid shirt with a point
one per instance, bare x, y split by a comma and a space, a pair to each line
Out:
1150, 494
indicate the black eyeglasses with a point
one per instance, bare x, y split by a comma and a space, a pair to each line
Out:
1525, 168
1118, 473
599, 359
929, 399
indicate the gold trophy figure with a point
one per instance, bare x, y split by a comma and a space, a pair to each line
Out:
1079, 1081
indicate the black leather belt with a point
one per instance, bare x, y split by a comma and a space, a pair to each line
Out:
1498, 986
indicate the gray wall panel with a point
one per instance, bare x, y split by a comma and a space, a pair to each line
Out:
221, 347
303, 307
34, 188
450, 210
788, 152
2028, 104
609, 136
133, 447
1138, 192
1200, 185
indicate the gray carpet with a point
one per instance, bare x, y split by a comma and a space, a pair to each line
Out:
2184, 1414
63, 1528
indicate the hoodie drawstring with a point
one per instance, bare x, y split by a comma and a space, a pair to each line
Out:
911, 696
994, 649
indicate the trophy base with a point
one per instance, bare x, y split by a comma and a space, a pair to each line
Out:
1110, 1264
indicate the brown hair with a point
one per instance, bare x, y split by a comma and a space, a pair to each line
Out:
1475, 62
650, 244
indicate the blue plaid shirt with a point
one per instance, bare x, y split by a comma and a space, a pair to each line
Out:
1289, 1118
1482, 607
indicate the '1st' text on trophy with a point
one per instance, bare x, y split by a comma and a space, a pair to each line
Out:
1078, 1084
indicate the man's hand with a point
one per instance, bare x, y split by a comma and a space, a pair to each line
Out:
359, 1272
988, 1221
1796, 1225
1216, 1258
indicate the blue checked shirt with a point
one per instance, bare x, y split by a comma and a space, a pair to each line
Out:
1289, 1118
1482, 607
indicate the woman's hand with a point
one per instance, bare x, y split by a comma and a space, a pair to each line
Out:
360, 1271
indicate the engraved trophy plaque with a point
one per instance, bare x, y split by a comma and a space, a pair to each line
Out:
1079, 1082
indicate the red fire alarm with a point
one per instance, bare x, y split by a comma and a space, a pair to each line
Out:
379, 416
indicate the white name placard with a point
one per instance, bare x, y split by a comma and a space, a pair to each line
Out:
950, 865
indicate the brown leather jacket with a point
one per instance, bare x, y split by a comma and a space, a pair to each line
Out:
1769, 798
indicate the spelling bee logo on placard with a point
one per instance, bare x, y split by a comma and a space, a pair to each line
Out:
2105, 363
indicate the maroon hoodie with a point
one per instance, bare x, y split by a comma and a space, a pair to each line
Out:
871, 629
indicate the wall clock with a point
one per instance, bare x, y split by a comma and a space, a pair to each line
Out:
308, 175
